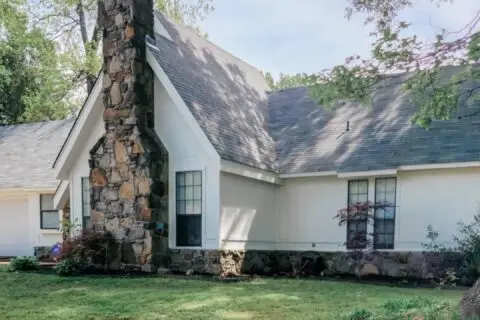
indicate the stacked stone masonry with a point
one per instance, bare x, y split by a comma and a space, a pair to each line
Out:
129, 168
420, 265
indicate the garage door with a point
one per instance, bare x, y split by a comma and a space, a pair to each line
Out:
14, 228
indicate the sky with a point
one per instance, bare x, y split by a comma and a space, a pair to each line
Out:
293, 36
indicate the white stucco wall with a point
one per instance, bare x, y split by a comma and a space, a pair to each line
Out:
248, 213
187, 152
306, 207
438, 197
81, 169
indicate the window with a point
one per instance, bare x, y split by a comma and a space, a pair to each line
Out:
384, 223
49, 218
357, 226
86, 222
189, 208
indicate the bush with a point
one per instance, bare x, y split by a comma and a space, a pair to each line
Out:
89, 250
358, 315
24, 264
467, 243
69, 267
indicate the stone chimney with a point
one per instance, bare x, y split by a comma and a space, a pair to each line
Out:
129, 164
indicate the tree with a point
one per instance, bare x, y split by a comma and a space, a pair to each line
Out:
289, 81
77, 26
32, 84
395, 51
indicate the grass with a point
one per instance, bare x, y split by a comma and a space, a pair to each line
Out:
46, 296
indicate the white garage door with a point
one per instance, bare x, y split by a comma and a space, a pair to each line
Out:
14, 228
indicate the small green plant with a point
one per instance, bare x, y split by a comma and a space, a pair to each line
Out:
24, 264
361, 314
69, 267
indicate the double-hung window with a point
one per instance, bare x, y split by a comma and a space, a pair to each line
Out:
189, 208
86, 209
357, 222
385, 203
49, 218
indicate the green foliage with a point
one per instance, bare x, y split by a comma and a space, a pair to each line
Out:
24, 264
289, 81
190, 13
395, 49
361, 314
88, 250
69, 267
467, 243
33, 86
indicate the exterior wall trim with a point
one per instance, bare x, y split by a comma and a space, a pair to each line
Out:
351, 174
249, 172
61, 195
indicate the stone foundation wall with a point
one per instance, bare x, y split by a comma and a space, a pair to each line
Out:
420, 265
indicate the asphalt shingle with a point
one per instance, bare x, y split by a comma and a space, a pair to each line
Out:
27, 152
226, 95
311, 138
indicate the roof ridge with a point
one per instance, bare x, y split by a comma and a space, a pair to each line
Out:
207, 40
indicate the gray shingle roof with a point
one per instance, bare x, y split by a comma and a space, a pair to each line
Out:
311, 138
287, 132
225, 95
27, 152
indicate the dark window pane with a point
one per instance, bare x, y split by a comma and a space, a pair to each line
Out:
197, 207
197, 193
189, 230
189, 207
180, 193
197, 178
46, 202
181, 207
384, 229
50, 220
189, 193
180, 178
189, 178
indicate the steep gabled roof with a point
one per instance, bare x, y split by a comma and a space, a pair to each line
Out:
287, 132
226, 95
27, 152
311, 138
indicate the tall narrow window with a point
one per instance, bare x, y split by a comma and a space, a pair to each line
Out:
86, 222
385, 201
49, 218
189, 208
357, 225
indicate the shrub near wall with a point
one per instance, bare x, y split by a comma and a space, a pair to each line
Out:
87, 252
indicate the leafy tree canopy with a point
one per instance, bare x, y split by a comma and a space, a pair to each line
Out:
33, 86
396, 50
49, 50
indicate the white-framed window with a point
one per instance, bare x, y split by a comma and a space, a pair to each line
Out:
357, 227
384, 219
86, 209
189, 207
49, 217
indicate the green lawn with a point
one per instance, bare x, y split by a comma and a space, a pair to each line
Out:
45, 296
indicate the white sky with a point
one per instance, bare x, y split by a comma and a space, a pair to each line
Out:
293, 36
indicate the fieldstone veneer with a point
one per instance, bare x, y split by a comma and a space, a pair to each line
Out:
395, 264
129, 168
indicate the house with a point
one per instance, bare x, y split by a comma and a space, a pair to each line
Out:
183, 153
27, 185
